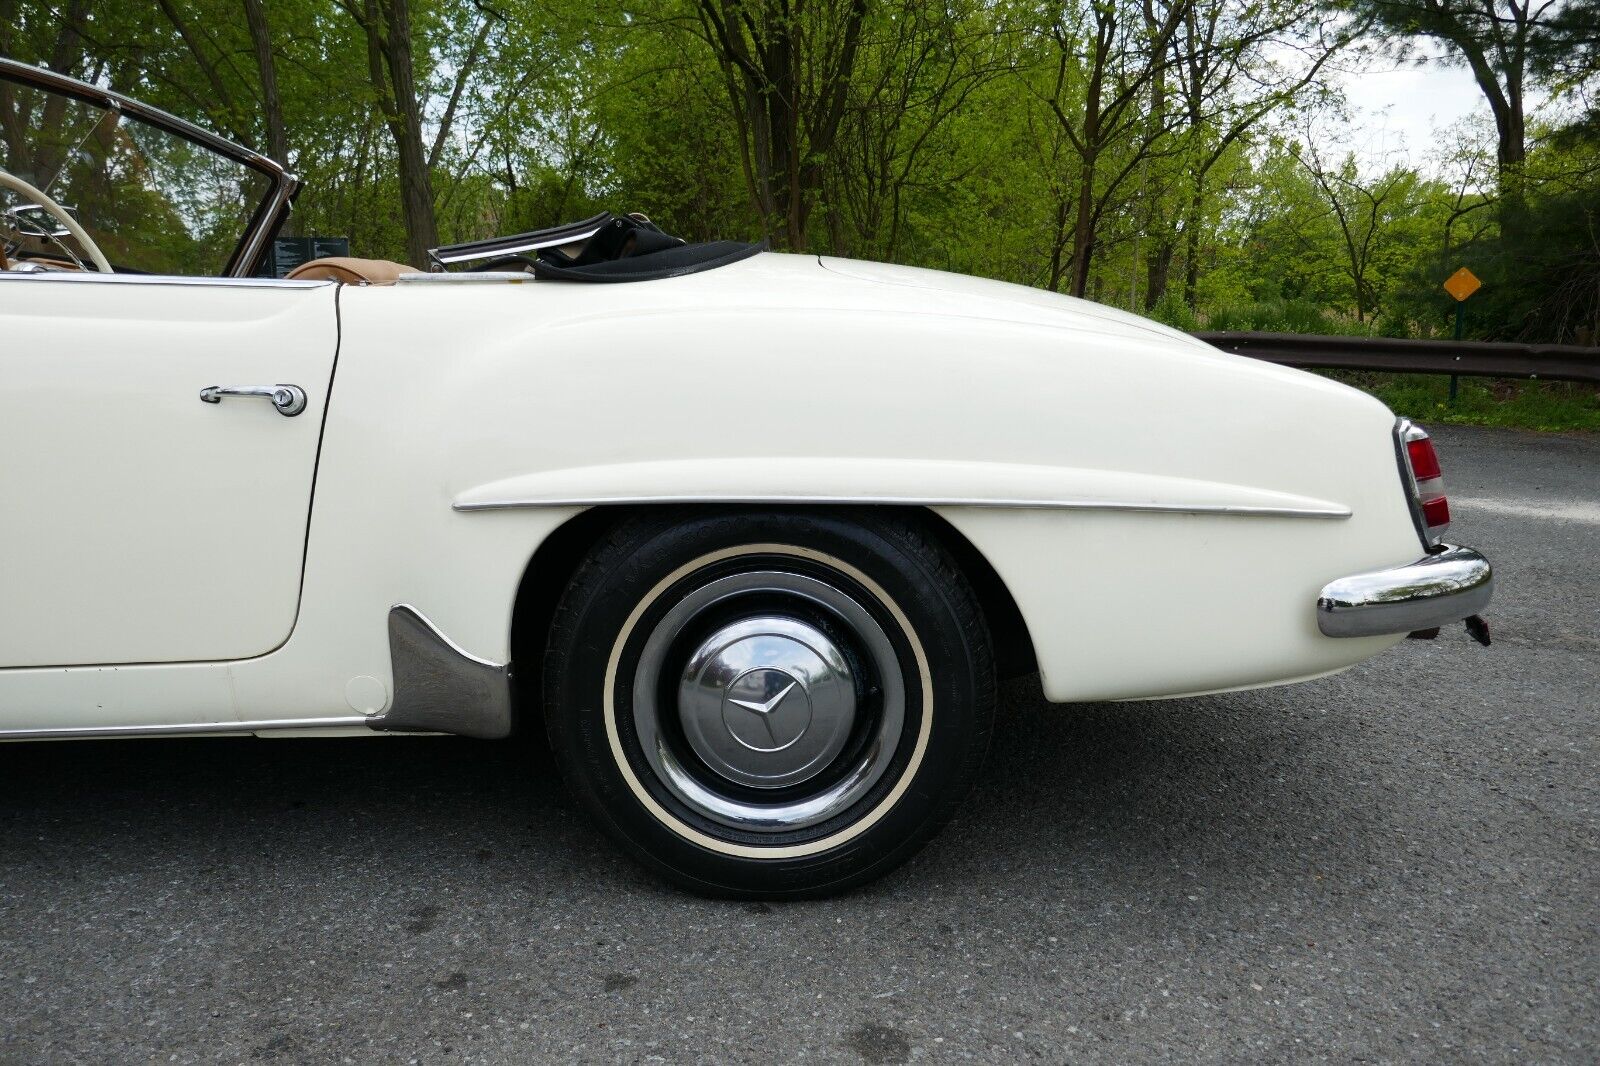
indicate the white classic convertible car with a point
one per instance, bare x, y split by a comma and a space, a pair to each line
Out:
752, 536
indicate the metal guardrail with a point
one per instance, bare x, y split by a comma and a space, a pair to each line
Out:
1548, 362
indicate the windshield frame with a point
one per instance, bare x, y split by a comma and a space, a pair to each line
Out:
269, 213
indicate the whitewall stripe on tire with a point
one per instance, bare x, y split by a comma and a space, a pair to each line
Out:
746, 851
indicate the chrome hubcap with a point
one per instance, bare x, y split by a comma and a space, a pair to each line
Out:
772, 717
767, 701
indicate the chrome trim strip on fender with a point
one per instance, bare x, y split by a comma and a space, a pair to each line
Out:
916, 501
438, 686
1446, 586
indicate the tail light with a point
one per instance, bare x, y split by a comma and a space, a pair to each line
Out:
1424, 480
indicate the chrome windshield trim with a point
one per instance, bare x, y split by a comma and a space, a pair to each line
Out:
94, 278
52, 81
264, 226
1446, 586
1246, 511
269, 213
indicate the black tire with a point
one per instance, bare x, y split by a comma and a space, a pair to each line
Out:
909, 696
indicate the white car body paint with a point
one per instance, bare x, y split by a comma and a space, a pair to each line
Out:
1006, 409
143, 525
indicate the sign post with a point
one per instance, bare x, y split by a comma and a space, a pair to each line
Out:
1461, 284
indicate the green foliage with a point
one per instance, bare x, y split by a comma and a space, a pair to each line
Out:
1192, 163
1542, 405
1283, 316
1172, 311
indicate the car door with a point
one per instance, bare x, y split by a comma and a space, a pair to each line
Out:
140, 523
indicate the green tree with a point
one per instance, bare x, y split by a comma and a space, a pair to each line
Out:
1500, 42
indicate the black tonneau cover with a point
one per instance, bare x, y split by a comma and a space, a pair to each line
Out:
604, 248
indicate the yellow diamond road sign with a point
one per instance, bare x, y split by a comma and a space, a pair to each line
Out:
1462, 283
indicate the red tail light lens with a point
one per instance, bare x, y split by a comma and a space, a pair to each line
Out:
1425, 480
1424, 460
1436, 514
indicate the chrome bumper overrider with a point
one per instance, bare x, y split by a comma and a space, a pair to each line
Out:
1446, 586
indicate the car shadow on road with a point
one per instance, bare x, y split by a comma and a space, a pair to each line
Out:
1253, 786
1084, 796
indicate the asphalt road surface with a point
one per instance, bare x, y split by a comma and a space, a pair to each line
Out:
1399, 863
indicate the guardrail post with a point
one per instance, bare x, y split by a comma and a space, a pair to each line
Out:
1454, 380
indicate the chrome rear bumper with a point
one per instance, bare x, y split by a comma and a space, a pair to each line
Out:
1446, 586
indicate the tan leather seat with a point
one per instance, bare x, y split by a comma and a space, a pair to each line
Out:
347, 270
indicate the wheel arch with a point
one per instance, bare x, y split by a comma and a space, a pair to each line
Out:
558, 557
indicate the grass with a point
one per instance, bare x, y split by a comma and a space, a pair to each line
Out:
1541, 405
1261, 316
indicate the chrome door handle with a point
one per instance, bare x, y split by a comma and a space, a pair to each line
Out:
290, 400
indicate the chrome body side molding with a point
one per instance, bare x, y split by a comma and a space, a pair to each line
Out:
438, 686
887, 481
1246, 510
73, 277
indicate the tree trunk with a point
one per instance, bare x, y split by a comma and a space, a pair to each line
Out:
271, 101
792, 91
1505, 103
1191, 246
1083, 230
1058, 243
388, 27
1083, 223
1511, 154
1158, 272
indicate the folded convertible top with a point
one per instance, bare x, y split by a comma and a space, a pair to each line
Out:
604, 248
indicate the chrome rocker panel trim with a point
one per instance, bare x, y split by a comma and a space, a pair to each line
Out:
438, 686
235, 728
1447, 586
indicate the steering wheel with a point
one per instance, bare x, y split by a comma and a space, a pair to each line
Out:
59, 213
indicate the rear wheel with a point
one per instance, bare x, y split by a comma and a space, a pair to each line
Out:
770, 704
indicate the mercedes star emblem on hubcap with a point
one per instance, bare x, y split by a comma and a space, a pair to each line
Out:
766, 701
767, 709
772, 681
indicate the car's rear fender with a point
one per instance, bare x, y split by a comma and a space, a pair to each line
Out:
1162, 514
